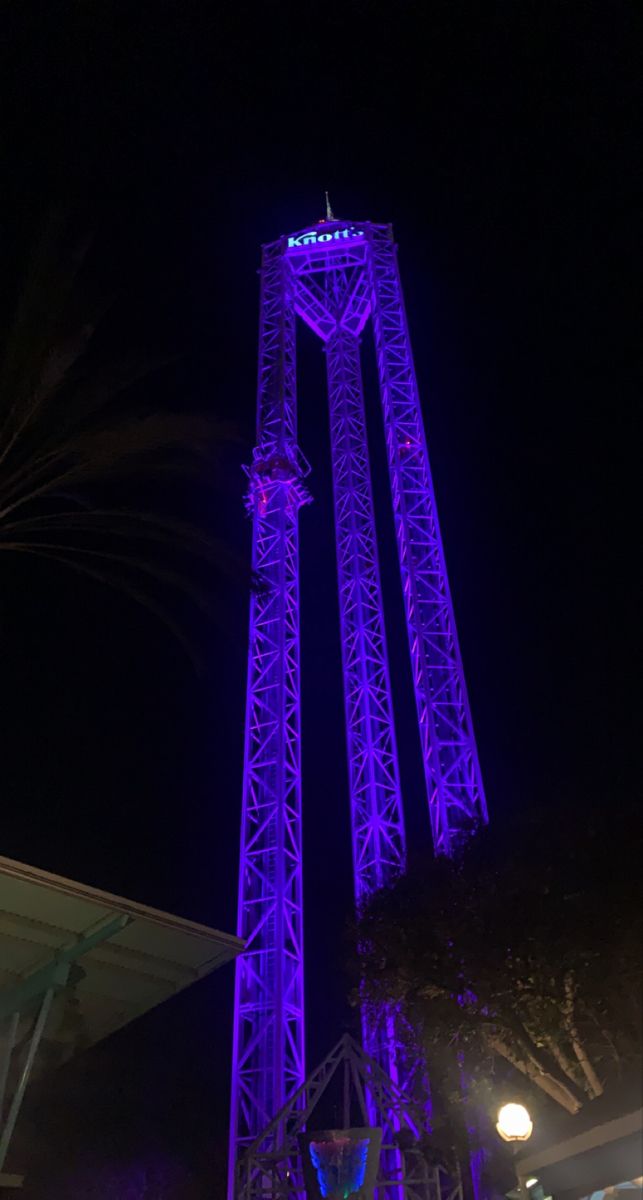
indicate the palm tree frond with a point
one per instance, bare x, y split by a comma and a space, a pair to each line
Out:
61, 434
131, 524
117, 583
44, 297
161, 442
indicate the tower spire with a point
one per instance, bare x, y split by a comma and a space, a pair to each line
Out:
330, 216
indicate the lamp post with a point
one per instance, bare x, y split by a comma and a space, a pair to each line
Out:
515, 1125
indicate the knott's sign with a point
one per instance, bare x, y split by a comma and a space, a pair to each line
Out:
313, 236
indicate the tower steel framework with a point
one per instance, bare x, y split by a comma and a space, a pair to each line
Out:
336, 275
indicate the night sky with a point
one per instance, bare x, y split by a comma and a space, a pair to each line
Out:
499, 140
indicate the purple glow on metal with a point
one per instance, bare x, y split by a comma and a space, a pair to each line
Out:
376, 801
335, 276
268, 1045
454, 782
377, 819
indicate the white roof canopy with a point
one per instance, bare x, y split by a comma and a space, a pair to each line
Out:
150, 958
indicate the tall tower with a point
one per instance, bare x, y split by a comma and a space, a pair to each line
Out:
335, 275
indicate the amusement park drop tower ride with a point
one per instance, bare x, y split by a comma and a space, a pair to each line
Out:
335, 275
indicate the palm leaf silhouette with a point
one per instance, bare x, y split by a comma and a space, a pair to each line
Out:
64, 434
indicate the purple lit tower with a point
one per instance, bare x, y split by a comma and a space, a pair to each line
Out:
336, 275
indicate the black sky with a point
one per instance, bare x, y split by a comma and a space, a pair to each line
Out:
499, 139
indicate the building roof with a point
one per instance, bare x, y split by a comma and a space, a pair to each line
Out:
149, 957
598, 1148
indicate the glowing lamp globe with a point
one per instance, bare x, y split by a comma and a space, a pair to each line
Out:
514, 1123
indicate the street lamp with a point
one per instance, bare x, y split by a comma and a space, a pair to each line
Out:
514, 1123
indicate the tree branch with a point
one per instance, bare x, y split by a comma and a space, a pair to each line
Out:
563, 1060
547, 1083
594, 1084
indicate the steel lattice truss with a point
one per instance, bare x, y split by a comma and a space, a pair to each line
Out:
376, 802
456, 796
347, 1077
374, 784
335, 276
269, 993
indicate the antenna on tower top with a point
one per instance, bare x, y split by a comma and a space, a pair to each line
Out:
329, 212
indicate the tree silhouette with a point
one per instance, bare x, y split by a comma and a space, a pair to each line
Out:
523, 955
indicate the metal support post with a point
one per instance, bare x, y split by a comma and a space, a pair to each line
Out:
46, 982
9, 1042
34, 1043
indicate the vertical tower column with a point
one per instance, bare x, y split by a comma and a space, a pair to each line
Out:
376, 803
454, 784
268, 1048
